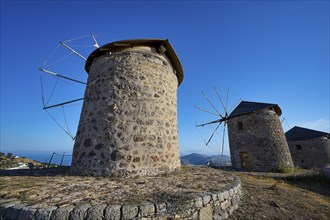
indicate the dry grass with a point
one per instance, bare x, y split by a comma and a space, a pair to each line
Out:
290, 197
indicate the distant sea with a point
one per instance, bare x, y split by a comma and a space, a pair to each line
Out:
45, 156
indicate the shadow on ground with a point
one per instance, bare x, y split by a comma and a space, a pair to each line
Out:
53, 171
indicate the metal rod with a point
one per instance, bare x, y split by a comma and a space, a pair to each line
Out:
63, 103
62, 158
227, 101
212, 122
213, 133
211, 104
96, 44
64, 77
73, 51
51, 158
224, 108
205, 110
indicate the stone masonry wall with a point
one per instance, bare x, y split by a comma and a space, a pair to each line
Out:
312, 153
128, 123
209, 205
261, 135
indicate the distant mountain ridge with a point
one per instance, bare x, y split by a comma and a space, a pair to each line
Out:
200, 159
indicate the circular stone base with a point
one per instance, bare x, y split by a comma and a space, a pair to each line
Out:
192, 193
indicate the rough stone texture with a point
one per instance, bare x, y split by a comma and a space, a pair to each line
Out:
310, 153
206, 213
128, 123
129, 211
44, 213
62, 213
26, 213
79, 212
220, 206
112, 212
147, 209
13, 211
96, 212
261, 136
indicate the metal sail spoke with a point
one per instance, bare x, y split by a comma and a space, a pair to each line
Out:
73, 51
95, 42
63, 103
61, 76
205, 110
213, 133
224, 108
211, 104
212, 122
227, 102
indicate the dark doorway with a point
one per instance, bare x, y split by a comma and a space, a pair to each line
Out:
245, 162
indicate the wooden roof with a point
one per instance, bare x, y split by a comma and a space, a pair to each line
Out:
246, 107
124, 44
298, 133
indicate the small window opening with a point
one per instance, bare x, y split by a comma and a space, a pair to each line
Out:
302, 161
240, 125
298, 147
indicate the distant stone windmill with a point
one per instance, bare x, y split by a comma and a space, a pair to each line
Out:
256, 137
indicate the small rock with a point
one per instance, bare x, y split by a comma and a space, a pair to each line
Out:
147, 209
44, 213
96, 212
129, 211
79, 212
112, 212
62, 213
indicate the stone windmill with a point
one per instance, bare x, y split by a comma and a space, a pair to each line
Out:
256, 137
128, 123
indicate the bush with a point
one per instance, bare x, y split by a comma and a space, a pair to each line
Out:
284, 169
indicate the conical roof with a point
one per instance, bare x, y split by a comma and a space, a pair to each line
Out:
123, 44
245, 107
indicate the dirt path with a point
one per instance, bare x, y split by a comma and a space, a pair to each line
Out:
286, 198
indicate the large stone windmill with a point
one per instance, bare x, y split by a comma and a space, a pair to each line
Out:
256, 137
128, 123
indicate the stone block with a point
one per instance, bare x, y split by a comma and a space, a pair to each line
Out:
221, 197
13, 211
96, 212
62, 213
79, 212
224, 205
226, 194
231, 192
198, 202
206, 213
44, 213
129, 211
206, 199
161, 209
26, 213
214, 197
147, 209
112, 212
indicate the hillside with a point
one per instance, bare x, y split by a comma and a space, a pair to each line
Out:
200, 159
10, 161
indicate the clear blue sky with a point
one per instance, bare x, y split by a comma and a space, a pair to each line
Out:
265, 51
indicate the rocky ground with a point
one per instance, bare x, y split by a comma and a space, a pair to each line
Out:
297, 195
59, 190
283, 196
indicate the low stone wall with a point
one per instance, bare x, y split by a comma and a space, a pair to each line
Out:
208, 205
